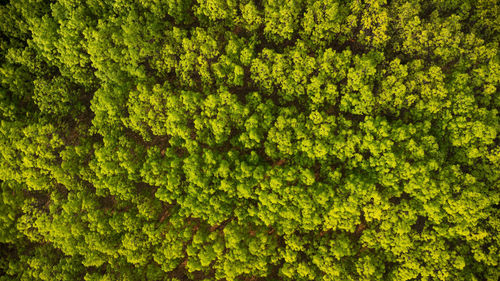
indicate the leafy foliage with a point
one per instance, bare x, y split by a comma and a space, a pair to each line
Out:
249, 140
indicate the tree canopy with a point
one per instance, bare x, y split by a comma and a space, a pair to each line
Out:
173, 140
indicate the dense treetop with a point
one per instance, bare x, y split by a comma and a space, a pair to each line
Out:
249, 140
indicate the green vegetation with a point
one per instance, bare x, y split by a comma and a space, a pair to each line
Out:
249, 140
